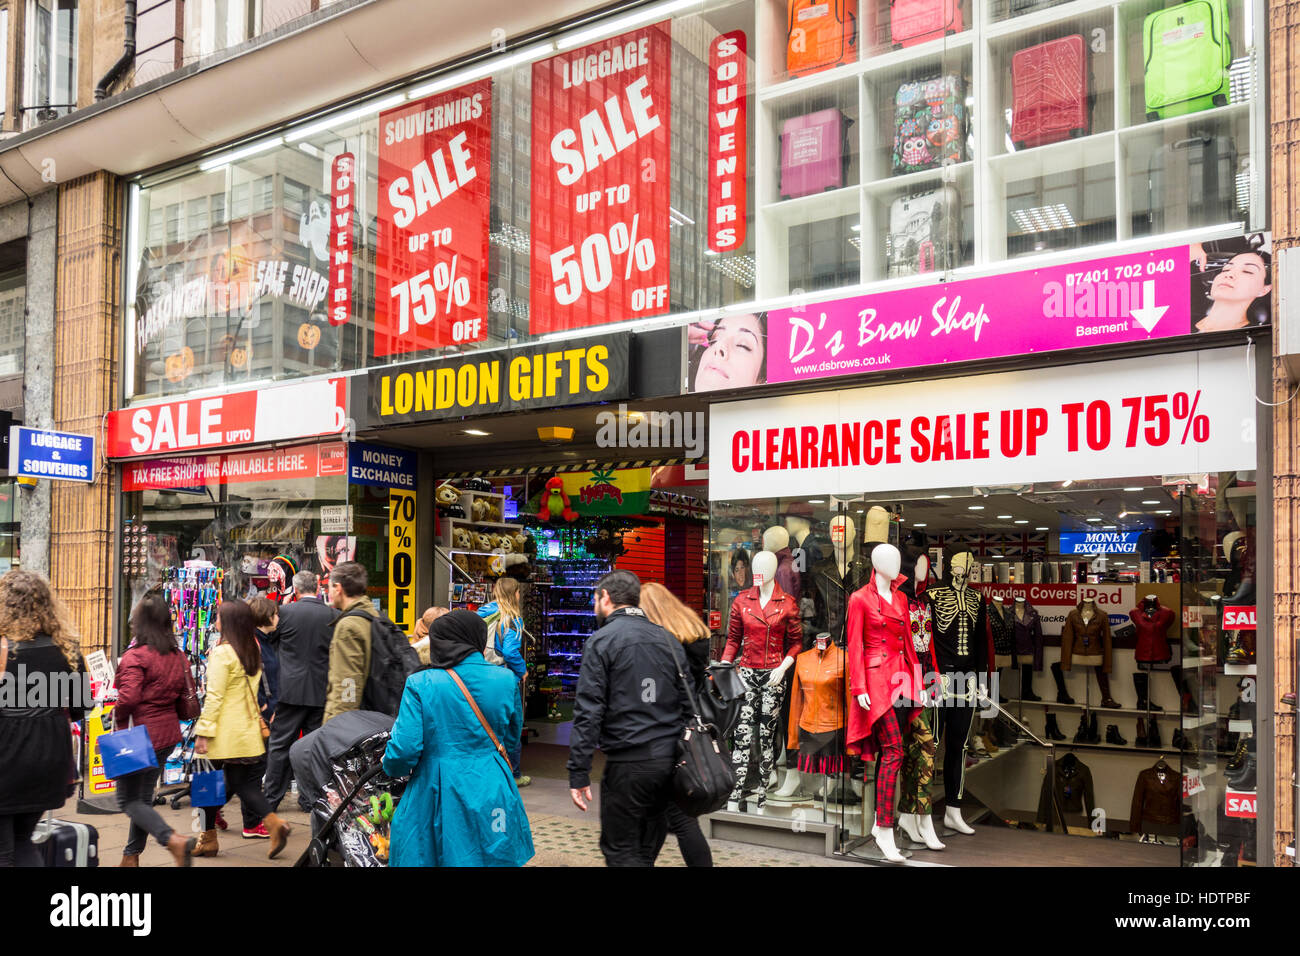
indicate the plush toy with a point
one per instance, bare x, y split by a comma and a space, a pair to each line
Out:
480, 509
461, 540
494, 541
494, 511
522, 541
448, 499
555, 503
461, 561
505, 544
482, 542
496, 565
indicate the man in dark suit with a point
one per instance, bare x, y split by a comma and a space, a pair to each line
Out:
303, 640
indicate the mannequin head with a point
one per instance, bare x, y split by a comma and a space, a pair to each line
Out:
775, 539
916, 566
887, 561
798, 527
1229, 541
958, 562
843, 534
1150, 600
765, 570
877, 524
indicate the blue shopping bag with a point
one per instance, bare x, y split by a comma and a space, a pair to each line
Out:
127, 751
207, 786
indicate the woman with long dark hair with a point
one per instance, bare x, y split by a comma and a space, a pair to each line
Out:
38, 648
152, 689
230, 731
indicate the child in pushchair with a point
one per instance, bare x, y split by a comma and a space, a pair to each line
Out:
351, 819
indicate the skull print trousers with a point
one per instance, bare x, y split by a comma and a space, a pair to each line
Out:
759, 722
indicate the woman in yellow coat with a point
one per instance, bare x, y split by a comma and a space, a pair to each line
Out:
229, 731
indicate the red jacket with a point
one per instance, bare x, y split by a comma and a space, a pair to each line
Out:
149, 689
882, 662
763, 636
1152, 642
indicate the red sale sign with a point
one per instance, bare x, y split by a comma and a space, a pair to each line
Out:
727, 142
435, 188
1239, 617
343, 173
601, 183
1240, 804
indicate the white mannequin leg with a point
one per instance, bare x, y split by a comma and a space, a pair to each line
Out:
885, 840
733, 806
953, 821
792, 784
928, 835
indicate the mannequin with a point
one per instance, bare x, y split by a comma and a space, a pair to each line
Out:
917, 773
1085, 639
798, 518
763, 637
885, 681
1028, 632
1003, 639
817, 699
961, 647
777, 540
1152, 621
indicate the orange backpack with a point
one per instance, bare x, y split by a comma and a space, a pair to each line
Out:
822, 34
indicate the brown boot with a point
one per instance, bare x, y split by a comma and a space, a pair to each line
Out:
279, 831
182, 848
130, 859
206, 845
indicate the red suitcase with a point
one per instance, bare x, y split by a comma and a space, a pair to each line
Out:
916, 21
1050, 92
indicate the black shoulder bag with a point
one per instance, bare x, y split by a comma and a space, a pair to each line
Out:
702, 775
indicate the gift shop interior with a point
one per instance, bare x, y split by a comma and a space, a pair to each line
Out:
1114, 621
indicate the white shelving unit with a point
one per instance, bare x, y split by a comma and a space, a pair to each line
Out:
445, 577
1106, 171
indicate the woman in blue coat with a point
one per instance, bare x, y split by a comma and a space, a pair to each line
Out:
461, 807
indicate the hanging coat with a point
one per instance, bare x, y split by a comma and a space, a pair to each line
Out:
461, 807
882, 662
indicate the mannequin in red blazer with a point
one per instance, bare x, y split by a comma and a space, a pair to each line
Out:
885, 682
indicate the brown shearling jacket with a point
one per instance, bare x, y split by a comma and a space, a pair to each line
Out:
1078, 638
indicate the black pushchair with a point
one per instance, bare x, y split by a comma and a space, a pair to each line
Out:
351, 822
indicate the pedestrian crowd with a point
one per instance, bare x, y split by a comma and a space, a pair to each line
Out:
287, 686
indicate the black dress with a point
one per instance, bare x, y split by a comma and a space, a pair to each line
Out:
35, 737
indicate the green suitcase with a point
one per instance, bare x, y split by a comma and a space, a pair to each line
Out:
1186, 51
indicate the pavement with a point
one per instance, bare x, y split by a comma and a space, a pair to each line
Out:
562, 834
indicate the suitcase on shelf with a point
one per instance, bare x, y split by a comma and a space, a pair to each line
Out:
812, 153
924, 232
1050, 99
1192, 182
929, 124
821, 34
65, 844
1186, 56
917, 21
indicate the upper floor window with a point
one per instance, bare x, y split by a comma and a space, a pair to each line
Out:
50, 90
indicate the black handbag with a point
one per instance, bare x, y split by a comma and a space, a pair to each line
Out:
724, 691
702, 775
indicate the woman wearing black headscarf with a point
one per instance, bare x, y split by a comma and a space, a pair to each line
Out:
461, 807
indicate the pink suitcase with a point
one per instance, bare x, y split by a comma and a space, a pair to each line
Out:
916, 21
1050, 83
812, 153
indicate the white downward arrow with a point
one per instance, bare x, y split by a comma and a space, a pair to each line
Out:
1149, 314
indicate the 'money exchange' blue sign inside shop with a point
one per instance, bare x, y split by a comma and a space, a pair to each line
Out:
1100, 542
63, 456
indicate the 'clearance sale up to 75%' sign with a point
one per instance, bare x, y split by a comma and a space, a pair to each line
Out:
435, 189
1190, 412
601, 181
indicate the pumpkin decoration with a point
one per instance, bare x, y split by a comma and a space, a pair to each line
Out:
308, 335
180, 365
238, 357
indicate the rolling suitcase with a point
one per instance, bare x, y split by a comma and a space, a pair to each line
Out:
821, 34
924, 232
929, 124
916, 21
1050, 92
1192, 182
812, 153
1186, 55
65, 844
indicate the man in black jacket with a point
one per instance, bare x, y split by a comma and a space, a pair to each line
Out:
303, 639
630, 702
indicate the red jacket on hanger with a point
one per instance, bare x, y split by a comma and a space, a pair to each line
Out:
1152, 642
763, 636
882, 661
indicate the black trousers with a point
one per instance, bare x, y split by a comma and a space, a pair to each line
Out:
690, 838
16, 847
954, 723
243, 780
290, 721
634, 799
135, 799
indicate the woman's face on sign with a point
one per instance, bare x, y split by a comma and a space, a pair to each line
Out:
1243, 280
735, 355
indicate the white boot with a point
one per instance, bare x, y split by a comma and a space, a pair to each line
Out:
793, 784
953, 821
885, 840
928, 835
733, 806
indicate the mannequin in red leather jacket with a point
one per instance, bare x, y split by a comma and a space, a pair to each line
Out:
764, 635
885, 681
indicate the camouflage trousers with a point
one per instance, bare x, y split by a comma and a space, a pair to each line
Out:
918, 764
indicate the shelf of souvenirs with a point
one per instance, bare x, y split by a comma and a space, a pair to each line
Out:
471, 523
